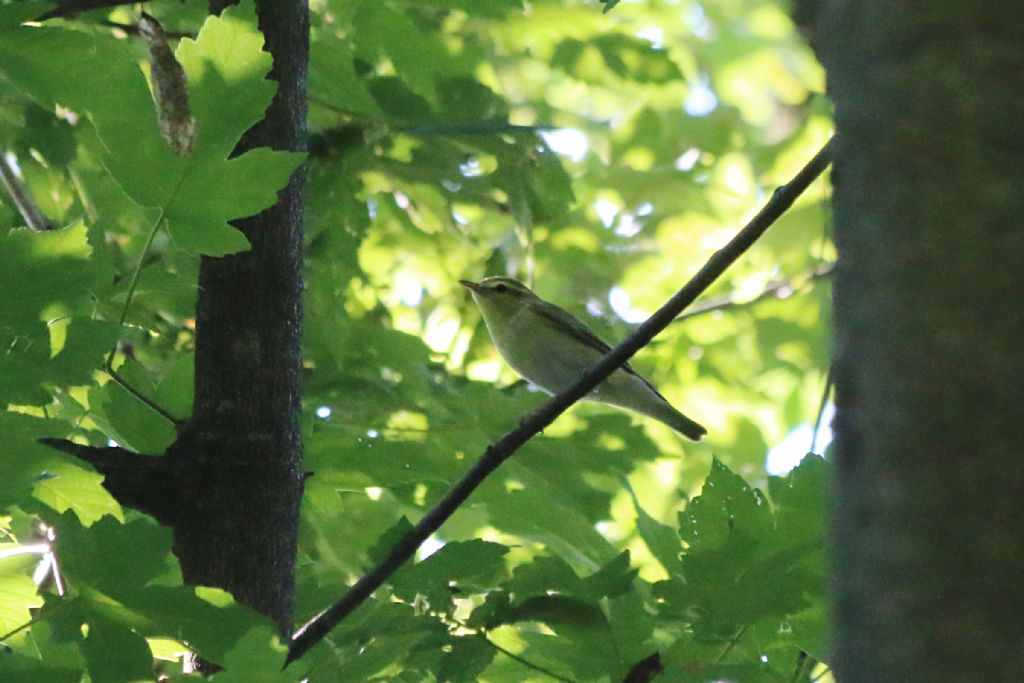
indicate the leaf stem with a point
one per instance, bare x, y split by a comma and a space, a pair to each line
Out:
731, 644
132, 283
801, 671
776, 289
33, 216
525, 662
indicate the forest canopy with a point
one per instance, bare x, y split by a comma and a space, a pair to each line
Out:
599, 153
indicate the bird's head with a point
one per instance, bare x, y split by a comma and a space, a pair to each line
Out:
498, 296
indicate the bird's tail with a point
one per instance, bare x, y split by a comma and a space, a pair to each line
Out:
661, 410
683, 424
645, 399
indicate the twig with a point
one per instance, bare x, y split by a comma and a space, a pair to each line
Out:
495, 454
821, 409
18, 629
83, 195
34, 218
482, 128
135, 29
60, 610
726, 301
142, 398
800, 672
731, 644
525, 662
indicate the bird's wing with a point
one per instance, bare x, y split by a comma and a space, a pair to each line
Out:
560, 318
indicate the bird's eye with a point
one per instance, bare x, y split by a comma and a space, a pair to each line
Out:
501, 289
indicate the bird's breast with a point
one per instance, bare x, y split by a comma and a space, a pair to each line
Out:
541, 354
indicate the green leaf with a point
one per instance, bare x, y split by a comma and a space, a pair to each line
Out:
201, 192
18, 595
382, 635
228, 89
13, 14
113, 557
258, 657
93, 74
538, 514
799, 499
210, 194
447, 570
115, 654
40, 271
416, 56
52, 137
333, 78
611, 580
726, 505
17, 668
24, 459
53, 478
739, 568
661, 540
551, 575
66, 485
85, 345
539, 189
468, 658
586, 641
625, 56
30, 368
135, 425
206, 618
389, 538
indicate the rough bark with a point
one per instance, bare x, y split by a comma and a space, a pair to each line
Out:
243, 443
928, 525
231, 484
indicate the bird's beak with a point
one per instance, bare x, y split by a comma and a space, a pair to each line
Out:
470, 285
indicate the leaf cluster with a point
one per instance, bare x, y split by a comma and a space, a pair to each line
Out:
450, 139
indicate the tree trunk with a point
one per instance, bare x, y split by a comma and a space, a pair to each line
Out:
928, 520
242, 451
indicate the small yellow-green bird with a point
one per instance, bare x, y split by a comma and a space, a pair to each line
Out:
552, 349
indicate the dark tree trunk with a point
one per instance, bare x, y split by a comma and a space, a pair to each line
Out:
242, 449
230, 485
928, 517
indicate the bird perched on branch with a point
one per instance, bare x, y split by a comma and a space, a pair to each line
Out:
552, 349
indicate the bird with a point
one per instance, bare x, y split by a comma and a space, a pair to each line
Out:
552, 349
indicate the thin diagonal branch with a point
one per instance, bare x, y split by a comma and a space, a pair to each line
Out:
34, 218
142, 398
134, 30
525, 662
314, 631
804, 666
776, 289
825, 393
